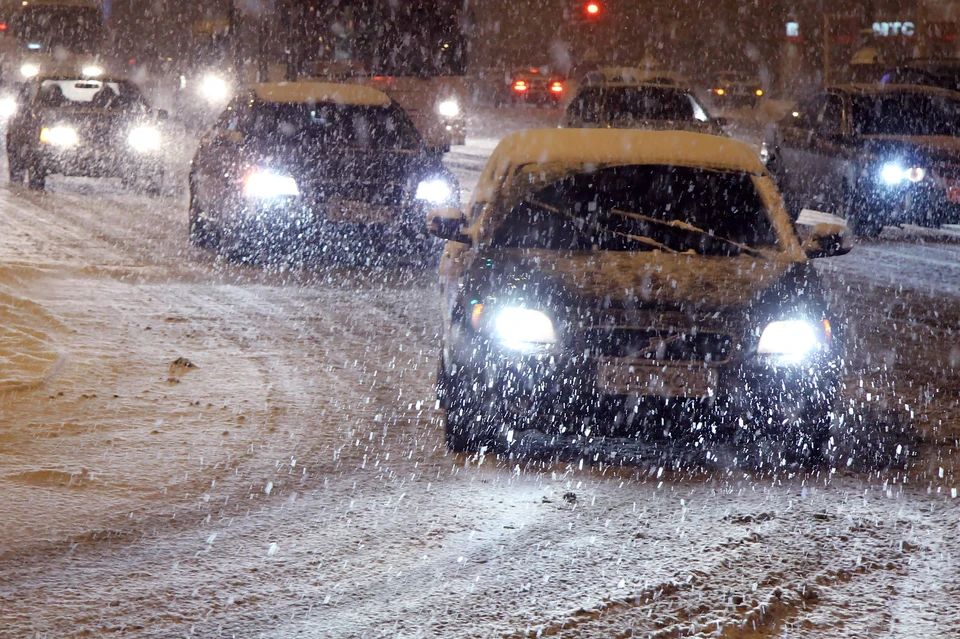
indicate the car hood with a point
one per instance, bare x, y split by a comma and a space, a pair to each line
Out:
318, 164
592, 287
935, 149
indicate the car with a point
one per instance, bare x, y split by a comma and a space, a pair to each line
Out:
873, 154
603, 282
80, 126
638, 106
534, 85
307, 164
736, 89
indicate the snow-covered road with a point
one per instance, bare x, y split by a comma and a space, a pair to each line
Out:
190, 447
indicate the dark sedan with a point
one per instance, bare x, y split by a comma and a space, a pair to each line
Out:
876, 155
638, 106
311, 163
88, 127
610, 284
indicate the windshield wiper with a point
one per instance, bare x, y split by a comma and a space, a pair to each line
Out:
684, 226
640, 239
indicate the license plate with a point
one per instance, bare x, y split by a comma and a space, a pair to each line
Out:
619, 377
953, 194
358, 212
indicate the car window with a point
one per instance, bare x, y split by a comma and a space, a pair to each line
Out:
646, 103
906, 113
807, 113
831, 118
88, 93
586, 105
634, 208
380, 127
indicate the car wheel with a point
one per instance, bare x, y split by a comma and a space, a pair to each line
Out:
36, 179
860, 216
200, 234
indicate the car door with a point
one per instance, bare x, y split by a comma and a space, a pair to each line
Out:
794, 160
23, 126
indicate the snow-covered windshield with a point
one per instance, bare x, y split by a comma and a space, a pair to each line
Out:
636, 208
374, 127
906, 113
46, 27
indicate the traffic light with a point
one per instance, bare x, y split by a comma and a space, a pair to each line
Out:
592, 9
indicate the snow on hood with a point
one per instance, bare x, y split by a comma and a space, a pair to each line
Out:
302, 92
654, 277
612, 147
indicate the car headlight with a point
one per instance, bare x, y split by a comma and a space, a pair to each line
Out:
435, 191
59, 136
267, 185
214, 88
92, 71
144, 139
794, 339
520, 329
8, 107
29, 70
894, 173
449, 108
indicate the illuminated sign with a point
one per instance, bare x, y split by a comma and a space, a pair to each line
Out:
888, 29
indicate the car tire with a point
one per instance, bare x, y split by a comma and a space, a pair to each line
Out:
861, 218
36, 179
200, 234
463, 431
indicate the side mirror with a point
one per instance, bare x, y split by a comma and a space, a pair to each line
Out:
447, 224
163, 115
828, 240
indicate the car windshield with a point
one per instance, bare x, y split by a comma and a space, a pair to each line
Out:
95, 94
373, 127
638, 208
635, 103
906, 113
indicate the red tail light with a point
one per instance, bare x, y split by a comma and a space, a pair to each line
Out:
520, 86
556, 87
3, 26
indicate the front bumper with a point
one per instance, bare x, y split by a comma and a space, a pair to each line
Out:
924, 204
561, 393
87, 161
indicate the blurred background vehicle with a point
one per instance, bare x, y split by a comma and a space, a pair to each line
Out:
874, 154
307, 165
100, 127
532, 85
736, 89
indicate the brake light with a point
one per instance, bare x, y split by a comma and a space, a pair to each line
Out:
520, 85
556, 87
3, 26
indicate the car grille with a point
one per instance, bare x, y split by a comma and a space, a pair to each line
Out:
377, 194
658, 345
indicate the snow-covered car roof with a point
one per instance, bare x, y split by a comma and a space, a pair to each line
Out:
306, 92
610, 147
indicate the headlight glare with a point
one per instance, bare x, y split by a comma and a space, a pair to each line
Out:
435, 191
92, 70
524, 329
267, 185
793, 339
215, 89
144, 138
893, 173
59, 136
29, 70
449, 108
8, 107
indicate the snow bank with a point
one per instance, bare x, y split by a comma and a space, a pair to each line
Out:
28, 353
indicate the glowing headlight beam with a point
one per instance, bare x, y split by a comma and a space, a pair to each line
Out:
29, 70
92, 71
893, 173
524, 329
792, 339
267, 185
144, 138
449, 108
59, 136
214, 88
8, 107
435, 191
